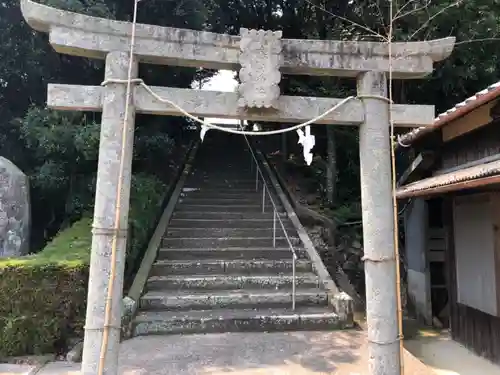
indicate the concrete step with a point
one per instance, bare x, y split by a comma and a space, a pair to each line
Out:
225, 215
202, 208
235, 320
234, 172
223, 187
229, 267
228, 204
223, 183
229, 199
223, 180
219, 282
230, 253
236, 223
235, 169
216, 242
224, 177
217, 299
221, 191
228, 232
222, 201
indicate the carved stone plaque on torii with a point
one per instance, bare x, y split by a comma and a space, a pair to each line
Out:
260, 57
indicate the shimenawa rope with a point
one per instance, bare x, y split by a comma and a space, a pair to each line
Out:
129, 81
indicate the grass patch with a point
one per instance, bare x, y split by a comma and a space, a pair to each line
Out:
71, 248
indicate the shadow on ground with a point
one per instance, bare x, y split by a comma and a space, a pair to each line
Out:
293, 353
274, 353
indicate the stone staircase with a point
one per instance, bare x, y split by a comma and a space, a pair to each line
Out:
217, 269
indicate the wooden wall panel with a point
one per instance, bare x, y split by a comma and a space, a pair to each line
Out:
474, 253
479, 144
476, 330
495, 209
450, 263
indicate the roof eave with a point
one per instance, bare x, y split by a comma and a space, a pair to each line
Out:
459, 110
463, 185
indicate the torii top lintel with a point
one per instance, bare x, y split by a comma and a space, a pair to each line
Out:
81, 35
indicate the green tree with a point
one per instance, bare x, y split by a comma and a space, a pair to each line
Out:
58, 150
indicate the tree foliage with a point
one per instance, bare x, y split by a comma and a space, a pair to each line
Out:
472, 66
59, 150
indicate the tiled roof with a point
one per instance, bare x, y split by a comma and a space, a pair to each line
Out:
449, 179
480, 98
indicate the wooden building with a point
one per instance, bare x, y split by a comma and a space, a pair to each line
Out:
452, 221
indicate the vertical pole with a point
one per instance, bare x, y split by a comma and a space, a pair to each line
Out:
242, 127
284, 144
293, 281
108, 173
378, 228
256, 178
274, 228
263, 197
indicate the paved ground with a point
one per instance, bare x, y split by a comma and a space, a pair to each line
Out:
447, 357
296, 353
6, 369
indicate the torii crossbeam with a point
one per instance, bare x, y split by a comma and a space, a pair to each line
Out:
261, 57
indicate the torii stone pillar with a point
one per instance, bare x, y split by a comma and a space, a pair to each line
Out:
378, 227
106, 203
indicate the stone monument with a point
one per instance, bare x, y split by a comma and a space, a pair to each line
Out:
15, 213
261, 57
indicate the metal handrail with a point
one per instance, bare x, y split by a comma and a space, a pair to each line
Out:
265, 188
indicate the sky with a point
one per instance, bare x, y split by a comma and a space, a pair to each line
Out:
222, 81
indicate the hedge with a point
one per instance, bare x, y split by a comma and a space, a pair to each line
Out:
43, 296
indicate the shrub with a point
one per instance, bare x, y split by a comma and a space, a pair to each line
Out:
43, 295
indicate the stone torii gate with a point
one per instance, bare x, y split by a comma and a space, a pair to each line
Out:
261, 56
